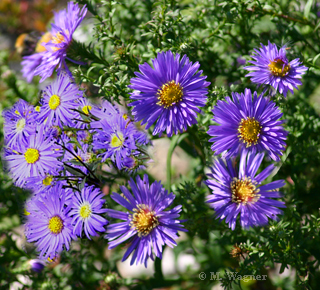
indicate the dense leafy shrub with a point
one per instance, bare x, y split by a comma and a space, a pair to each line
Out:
115, 38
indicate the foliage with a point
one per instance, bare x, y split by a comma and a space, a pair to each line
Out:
219, 35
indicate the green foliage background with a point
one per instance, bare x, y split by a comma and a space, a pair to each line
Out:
217, 34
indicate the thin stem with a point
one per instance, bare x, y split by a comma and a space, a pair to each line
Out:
216, 30
176, 139
66, 177
75, 169
77, 158
240, 285
83, 113
83, 121
110, 16
74, 188
158, 275
286, 17
94, 181
77, 129
173, 144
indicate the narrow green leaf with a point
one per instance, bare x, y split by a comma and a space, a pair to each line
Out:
307, 9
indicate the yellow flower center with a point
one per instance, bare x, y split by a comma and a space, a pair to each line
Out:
47, 181
169, 94
249, 130
79, 158
21, 124
85, 211
278, 68
117, 140
16, 111
55, 225
244, 191
143, 220
86, 109
125, 116
26, 212
44, 38
51, 260
37, 109
54, 102
59, 38
31, 155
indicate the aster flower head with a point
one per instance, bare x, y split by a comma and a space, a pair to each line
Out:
86, 212
105, 111
36, 157
54, 48
19, 124
41, 183
147, 225
168, 94
49, 223
271, 67
238, 192
115, 138
84, 111
247, 123
59, 101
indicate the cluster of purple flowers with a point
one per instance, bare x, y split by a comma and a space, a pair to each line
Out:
118, 139
51, 149
250, 126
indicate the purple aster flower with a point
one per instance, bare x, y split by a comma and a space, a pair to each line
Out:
19, 124
240, 192
59, 101
271, 67
81, 119
118, 137
148, 225
30, 63
36, 265
115, 137
105, 111
44, 63
49, 223
169, 93
36, 157
40, 183
247, 124
135, 162
86, 210
241, 61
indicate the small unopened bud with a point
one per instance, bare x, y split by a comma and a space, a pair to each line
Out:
36, 265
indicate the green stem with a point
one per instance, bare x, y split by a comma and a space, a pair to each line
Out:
11, 82
158, 275
215, 31
110, 17
286, 17
176, 139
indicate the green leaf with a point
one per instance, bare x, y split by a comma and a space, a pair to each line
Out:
307, 9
